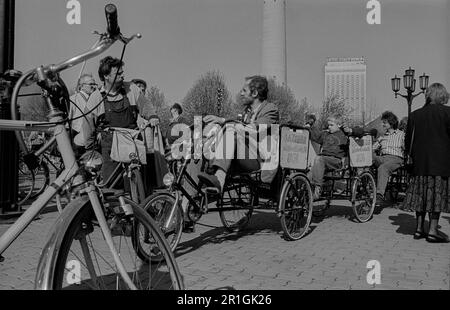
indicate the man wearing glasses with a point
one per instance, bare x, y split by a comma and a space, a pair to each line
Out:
85, 87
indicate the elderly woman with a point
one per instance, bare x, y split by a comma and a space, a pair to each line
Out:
428, 142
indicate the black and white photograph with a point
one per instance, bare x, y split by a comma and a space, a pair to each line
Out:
225, 148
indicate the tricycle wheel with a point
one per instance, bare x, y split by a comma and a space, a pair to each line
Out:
364, 196
239, 198
296, 206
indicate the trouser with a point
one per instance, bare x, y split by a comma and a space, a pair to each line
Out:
237, 151
77, 149
108, 164
386, 164
321, 163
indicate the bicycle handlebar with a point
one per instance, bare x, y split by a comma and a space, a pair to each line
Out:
105, 41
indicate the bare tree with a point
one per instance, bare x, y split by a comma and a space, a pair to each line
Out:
159, 102
334, 105
291, 110
204, 99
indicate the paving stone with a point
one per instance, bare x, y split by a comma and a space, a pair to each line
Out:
333, 256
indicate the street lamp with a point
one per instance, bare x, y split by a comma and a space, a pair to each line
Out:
409, 82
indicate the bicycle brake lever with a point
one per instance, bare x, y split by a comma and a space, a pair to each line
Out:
126, 40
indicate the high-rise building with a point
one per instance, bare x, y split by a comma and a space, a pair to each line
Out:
274, 40
346, 78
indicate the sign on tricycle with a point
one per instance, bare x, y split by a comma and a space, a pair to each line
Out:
361, 152
294, 148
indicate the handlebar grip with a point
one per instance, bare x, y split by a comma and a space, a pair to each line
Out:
111, 20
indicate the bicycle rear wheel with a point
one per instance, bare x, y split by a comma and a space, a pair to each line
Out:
26, 182
85, 261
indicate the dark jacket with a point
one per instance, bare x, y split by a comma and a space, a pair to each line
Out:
333, 144
430, 149
267, 114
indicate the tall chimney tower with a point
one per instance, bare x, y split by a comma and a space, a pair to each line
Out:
274, 41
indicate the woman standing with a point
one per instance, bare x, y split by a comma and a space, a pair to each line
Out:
428, 141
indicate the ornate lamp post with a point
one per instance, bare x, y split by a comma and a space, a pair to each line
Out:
409, 82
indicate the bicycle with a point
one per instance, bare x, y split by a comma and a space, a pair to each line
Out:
95, 216
36, 163
128, 169
289, 194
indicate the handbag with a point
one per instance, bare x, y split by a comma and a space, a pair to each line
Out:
126, 144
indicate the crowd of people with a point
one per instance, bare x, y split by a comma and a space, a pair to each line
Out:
424, 137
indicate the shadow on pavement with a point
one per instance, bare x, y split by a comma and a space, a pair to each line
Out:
259, 222
334, 211
406, 223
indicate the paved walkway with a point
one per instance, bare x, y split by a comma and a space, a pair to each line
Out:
333, 256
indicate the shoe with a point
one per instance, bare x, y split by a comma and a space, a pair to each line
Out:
436, 239
189, 227
419, 235
1, 258
210, 180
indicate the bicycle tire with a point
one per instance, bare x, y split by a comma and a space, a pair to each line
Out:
296, 207
236, 195
25, 182
166, 274
366, 183
40, 184
159, 212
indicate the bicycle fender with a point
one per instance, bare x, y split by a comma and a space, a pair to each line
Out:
47, 261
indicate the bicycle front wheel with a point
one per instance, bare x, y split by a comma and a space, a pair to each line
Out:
85, 261
159, 206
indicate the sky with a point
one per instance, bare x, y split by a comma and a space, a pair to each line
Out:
183, 39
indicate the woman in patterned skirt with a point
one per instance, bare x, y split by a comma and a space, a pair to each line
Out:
428, 142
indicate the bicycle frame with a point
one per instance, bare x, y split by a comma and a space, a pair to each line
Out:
70, 172
71, 168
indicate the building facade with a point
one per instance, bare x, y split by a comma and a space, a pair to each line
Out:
346, 78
